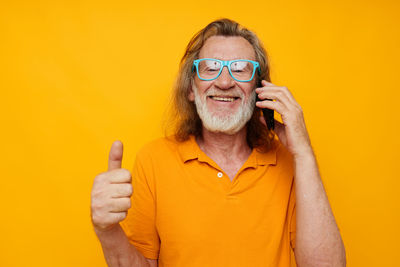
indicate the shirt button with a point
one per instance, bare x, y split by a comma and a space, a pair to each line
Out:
219, 174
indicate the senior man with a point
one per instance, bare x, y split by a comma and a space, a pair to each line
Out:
224, 189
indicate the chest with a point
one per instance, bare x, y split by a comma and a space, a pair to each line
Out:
196, 202
197, 208
230, 169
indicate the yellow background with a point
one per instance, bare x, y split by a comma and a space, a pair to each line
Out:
76, 75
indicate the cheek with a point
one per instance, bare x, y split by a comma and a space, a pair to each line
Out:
200, 86
249, 90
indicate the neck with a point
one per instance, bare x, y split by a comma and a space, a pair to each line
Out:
225, 145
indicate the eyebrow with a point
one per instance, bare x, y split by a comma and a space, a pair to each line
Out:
236, 58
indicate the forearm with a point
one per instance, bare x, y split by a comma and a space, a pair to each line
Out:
318, 240
117, 249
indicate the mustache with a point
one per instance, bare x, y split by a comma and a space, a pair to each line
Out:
224, 93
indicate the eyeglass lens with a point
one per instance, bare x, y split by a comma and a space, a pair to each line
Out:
241, 70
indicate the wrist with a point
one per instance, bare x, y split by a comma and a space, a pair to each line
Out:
304, 154
305, 162
106, 230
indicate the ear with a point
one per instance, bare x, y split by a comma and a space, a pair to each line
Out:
190, 92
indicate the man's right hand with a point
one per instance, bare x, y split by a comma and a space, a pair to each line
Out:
111, 192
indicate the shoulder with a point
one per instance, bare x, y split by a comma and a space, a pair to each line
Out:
157, 159
283, 156
158, 148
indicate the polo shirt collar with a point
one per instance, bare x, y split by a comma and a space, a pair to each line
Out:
189, 150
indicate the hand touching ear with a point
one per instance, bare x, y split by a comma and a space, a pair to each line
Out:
292, 132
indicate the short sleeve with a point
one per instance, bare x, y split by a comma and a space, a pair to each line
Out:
292, 217
139, 225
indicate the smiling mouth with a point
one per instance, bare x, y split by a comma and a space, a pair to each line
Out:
224, 99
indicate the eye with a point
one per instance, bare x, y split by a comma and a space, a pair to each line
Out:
212, 69
238, 66
211, 65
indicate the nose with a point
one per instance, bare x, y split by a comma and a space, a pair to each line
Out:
225, 80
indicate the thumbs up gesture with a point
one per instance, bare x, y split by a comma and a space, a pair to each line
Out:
111, 192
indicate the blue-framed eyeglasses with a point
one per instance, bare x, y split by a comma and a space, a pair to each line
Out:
241, 70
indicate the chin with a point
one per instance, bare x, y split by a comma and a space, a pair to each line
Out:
224, 124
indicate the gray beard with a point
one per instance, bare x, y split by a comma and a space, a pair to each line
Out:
227, 123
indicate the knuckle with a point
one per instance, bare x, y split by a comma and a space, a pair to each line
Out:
103, 177
121, 171
115, 205
126, 204
99, 219
298, 110
123, 174
98, 206
107, 221
95, 195
95, 219
130, 189
99, 192
127, 174
119, 191
99, 178
122, 216
126, 171
112, 220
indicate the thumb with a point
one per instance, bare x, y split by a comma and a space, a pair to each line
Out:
115, 156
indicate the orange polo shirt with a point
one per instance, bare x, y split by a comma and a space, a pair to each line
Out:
186, 212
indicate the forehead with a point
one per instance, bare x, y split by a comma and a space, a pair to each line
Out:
227, 48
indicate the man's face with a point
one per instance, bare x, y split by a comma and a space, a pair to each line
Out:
224, 105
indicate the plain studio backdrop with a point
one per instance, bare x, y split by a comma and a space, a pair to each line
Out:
77, 75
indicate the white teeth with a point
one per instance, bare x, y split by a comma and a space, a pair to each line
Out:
226, 99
